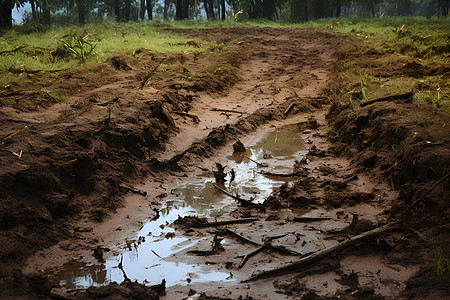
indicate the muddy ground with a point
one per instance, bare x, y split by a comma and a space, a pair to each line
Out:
76, 170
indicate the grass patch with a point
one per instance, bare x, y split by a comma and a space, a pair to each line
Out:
59, 48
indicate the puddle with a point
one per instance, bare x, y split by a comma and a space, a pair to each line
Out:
143, 255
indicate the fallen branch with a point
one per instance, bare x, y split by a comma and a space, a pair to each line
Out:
267, 247
216, 248
239, 237
262, 165
227, 110
241, 201
305, 262
392, 97
220, 223
193, 117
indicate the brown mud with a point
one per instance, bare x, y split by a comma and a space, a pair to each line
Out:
88, 156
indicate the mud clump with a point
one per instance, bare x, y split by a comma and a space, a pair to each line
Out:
119, 62
238, 147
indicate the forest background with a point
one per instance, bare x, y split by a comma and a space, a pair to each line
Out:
65, 12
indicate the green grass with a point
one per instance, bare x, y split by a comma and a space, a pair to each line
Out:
48, 51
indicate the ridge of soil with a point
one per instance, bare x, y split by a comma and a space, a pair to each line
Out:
57, 173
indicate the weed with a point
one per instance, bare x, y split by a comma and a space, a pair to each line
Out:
328, 129
443, 264
79, 45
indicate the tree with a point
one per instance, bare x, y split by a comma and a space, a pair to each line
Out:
81, 8
149, 10
6, 7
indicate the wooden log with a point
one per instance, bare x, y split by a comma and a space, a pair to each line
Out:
307, 261
392, 97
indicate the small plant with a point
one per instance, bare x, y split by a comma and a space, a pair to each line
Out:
79, 45
443, 264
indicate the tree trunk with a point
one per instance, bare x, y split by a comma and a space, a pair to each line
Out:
142, 9
166, 4
127, 10
338, 8
211, 9
268, 8
185, 9
33, 10
205, 3
223, 10
81, 7
6, 7
46, 13
149, 10
178, 9
117, 10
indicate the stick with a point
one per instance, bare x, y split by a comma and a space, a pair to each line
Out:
227, 110
295, 174
13, 134
310, 219
305, 262
241, 238
243, 202
129, 188
193, 117
267, 246
251, 254
406, 95
215, 224
262, 165
429, 190
290, 107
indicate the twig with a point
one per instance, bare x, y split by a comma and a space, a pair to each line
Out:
12, 134
310, 219
156, 254
148, 76
294, 174
251, 254
240, 237
193, 117
305, 262
406, 95
412, 203
227, 110
243, 202
136, 191
268, 247
215, 224
289, 108
262, 165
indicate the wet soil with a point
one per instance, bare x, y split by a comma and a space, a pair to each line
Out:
84, 181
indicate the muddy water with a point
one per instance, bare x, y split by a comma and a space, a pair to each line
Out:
143, 255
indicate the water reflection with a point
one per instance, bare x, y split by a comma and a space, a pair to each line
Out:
143, 256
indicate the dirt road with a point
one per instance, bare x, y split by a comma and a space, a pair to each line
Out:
91, 172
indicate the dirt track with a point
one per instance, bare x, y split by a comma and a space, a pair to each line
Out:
70, 172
